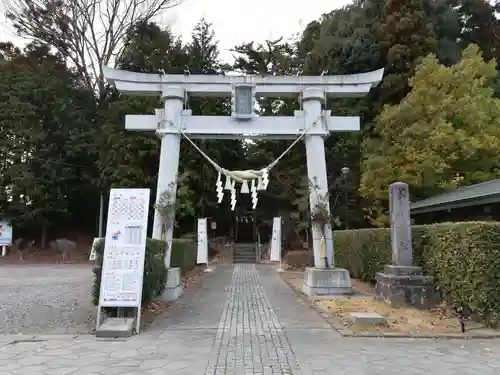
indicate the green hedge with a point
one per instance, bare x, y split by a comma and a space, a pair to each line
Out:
464, 259
184, 253
155, 274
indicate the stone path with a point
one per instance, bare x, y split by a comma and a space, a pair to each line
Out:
250, 337
245, 320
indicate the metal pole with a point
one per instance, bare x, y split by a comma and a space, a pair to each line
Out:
346, 203
101, 215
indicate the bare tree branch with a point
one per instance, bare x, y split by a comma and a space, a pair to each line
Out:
88, 33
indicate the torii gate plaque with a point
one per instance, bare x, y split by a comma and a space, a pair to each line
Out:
242, 125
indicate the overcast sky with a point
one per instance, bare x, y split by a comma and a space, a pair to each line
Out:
235, 21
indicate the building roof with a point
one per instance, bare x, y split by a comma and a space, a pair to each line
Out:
474, 195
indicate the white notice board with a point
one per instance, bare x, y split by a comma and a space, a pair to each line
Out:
276, 240
202, 256
125, 248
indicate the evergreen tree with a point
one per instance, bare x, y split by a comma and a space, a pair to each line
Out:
444, 133
45, 117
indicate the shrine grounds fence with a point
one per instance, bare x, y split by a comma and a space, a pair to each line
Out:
155, 273
463, 258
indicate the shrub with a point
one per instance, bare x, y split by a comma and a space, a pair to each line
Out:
184, 252
299, 258
464, 259
212, 245
363, 252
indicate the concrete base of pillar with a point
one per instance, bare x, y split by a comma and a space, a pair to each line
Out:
173, 288
323, 282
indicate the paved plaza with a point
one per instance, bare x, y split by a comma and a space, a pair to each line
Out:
244, 320
46, 298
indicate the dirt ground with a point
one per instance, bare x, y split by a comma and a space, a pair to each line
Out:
37, 255
440, 320
47, 257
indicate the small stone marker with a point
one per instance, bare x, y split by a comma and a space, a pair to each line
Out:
401, 283
366, 318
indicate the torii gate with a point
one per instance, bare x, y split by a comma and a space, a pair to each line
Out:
312, 122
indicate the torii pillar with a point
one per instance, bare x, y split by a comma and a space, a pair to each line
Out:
313, 99
173, 98
244, 124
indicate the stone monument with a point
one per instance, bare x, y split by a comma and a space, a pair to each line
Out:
402, 283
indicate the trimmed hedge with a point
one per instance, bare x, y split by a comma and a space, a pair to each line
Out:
464, 259
184, 252
155, 273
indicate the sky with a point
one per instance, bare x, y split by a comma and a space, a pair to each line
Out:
250, 20
236, 21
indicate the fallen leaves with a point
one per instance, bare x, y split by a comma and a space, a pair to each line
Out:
192, 277
156, 307
440, 320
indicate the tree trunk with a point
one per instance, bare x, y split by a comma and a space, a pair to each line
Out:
43, 238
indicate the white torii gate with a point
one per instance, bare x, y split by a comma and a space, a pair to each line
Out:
312, 122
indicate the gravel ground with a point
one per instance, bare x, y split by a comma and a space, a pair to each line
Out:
36, 299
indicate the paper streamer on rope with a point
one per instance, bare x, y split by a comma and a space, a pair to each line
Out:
220, 190
233, 198
242, 177
228, 184
253, 189
244, 187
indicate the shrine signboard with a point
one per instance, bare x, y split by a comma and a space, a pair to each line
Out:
125, 248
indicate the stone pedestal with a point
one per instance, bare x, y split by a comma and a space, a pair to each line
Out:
173, 289
400, 286
323, 282
116, 327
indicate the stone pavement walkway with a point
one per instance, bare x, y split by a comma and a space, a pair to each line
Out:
245, 320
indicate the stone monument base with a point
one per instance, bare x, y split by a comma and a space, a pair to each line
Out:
173, 289
324, 282
405, 286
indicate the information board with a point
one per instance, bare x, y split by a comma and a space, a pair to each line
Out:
202, 256
5, 233
125, 248
276, 240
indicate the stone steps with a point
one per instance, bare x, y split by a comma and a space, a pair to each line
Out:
244, 253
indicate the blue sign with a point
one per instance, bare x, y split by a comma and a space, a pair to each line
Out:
5, 233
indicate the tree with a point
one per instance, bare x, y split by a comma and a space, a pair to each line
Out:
364, 36
202, 52
442, 135
44, 111
276, 57
406, 35
288, 192
480, 25
131, 158
88, 33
